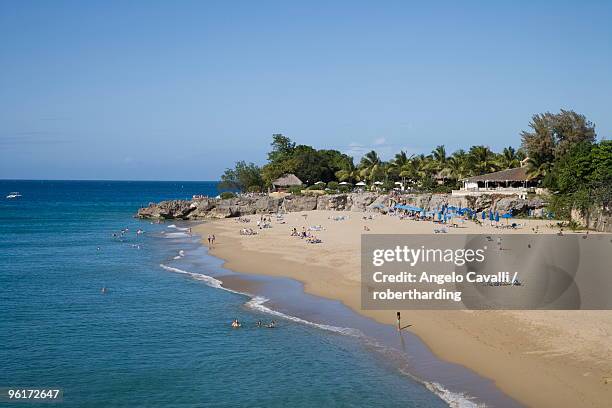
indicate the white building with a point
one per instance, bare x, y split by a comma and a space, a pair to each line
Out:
506, 182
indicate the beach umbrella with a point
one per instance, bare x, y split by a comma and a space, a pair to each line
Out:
491, 217
483, 215
378, 183
507, 216
497, 217
439, 216
320, 182
344, 183
361, 183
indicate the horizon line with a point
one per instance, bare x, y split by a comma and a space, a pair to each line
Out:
130, 181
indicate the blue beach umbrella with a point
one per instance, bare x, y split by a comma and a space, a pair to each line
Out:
496, 217
491, 216
483, 215
507, 216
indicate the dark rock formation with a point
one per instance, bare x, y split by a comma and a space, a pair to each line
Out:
168, 209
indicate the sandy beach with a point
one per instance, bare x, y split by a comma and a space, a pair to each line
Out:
540, 358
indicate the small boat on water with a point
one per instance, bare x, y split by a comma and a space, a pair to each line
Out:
14, 194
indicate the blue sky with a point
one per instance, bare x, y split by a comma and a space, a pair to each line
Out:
180, 90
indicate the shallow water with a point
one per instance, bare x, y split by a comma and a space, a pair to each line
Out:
157, 338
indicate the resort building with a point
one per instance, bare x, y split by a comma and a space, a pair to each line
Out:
506, 182
285, 181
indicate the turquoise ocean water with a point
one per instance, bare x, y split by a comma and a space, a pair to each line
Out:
157, 338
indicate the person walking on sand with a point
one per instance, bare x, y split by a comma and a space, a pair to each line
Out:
399, 321
212, 239
209, 239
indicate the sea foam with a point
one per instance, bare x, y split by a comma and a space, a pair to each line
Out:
178, 228
176, 235
453, 399
258, 303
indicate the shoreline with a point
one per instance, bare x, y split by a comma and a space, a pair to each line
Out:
285, 298
455, 385
496, 345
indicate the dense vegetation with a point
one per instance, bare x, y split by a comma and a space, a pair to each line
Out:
560, 150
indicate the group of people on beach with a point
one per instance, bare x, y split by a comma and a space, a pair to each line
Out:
304, 234
264, 222
211, 240
236, 324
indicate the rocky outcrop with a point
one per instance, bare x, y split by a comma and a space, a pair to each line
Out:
513, 205
380, 203
598, 219
204, 208
334, 202
179, 209
360, 201
293, 203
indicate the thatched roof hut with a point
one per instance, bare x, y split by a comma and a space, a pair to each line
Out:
509, 178
286, 181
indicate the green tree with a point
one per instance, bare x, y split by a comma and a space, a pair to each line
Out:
571, 128
439, 157
397, 166
349, 173
509, 158
282, 148
584, 174
553, 135
243, 176
482, 160
458, 165
371, 167
538, 167
540, 141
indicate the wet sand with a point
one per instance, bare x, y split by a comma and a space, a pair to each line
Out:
455, 384
540, 358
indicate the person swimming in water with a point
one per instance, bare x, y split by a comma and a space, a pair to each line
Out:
272, 325
236, 324
259, 324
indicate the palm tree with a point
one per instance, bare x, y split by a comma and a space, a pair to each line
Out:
400, 159
397, 165
439, 156
458, 165
418, 168
482, 160
439, 163
508, 158
349, 173
371, 166
538, 166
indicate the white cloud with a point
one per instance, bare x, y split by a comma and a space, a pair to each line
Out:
385, 150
